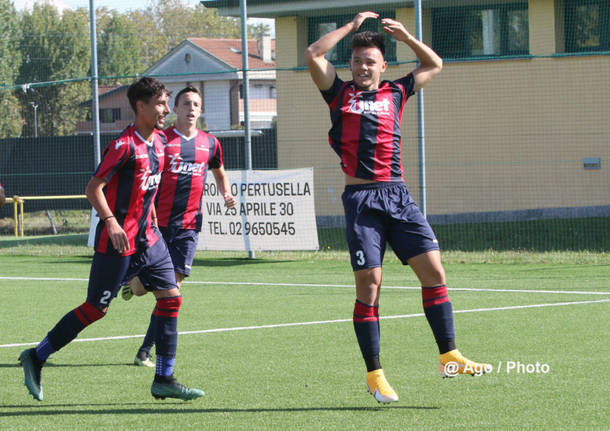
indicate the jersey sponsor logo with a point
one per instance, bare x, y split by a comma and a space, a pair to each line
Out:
148, 181
375, 107
179, 166
203, 149
119, 144
142, 156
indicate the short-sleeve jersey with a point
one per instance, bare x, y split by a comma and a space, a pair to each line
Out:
187, 160
132, 168
365, 130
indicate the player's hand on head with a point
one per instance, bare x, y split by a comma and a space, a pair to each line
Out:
359, 19
396, 29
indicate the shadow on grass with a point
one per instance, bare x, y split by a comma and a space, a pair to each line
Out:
52, 365
154, 409
75, 239
233, 261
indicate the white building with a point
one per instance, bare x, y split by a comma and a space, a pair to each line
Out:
213, 66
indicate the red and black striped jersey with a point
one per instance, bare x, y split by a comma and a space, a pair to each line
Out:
132, 169
179, 201
365, 130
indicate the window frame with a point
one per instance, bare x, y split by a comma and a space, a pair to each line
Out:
604, 26
463, 12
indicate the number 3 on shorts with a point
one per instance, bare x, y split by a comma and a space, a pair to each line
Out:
360, 255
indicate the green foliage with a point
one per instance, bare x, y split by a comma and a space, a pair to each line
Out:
165, 24
42, 48
10, 60
118, 40
54, 47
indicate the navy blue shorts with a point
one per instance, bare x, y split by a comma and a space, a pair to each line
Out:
377, 213
110, 271
182, 245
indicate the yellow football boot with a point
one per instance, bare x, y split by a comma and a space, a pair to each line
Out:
454, 363
379, 387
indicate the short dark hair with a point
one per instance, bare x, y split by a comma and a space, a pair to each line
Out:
367, 39
187, 89
143, 89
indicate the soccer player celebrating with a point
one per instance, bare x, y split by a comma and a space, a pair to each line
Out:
122, 191
366, 114
189, 152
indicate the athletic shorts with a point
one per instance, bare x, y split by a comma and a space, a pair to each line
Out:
377, 213
182, 245
110, 271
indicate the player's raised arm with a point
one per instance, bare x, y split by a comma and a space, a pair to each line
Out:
430, 63
322, 71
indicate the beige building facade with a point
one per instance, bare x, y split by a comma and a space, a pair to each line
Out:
506, 137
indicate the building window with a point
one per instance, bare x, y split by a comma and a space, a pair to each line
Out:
110, 115
478, 31
587, 25
272, 92
342, 52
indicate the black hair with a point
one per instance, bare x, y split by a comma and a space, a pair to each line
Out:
367, 39
187, 89
143, 89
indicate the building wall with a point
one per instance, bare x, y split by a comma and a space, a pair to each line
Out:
501, 135
217, 111
115, 100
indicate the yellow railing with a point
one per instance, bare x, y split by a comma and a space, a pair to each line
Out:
18, 202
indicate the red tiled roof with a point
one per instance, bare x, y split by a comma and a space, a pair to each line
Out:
229, 51
106, 88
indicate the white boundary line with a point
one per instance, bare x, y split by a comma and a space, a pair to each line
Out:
324, 322
246, 283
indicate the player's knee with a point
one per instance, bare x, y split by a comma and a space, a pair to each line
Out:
168, 306
368, 279
434, 276
137, 287
91, 313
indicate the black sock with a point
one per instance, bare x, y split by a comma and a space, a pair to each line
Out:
445, 346
372, 363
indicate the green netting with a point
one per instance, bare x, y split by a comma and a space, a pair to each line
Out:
516, 130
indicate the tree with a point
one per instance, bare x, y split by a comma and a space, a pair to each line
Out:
255, 31
10, 60
166, 23
119, 47
55, 48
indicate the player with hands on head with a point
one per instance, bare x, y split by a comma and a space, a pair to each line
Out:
189, 152
365, 116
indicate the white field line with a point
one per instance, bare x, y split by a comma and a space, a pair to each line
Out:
324, 322
245, 283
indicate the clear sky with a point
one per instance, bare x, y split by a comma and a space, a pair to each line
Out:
119, 5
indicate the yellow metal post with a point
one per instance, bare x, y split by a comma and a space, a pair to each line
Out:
15, 203
18, 202
21, 211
